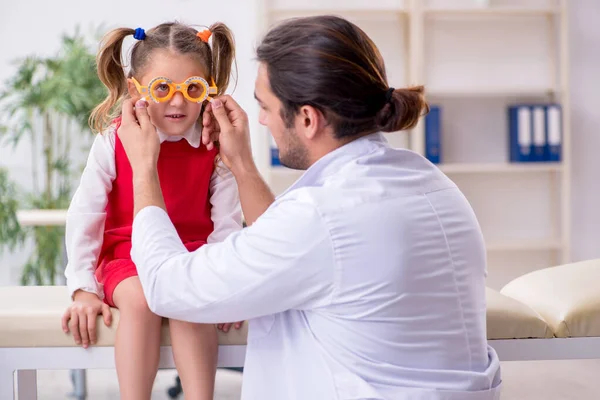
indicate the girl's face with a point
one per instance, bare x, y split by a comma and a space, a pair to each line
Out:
177, 115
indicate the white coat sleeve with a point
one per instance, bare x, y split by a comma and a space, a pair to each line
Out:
285, 260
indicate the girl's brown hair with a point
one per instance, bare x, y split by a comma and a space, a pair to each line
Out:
329, 63
217, 61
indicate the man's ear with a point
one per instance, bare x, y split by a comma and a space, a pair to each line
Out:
310, 121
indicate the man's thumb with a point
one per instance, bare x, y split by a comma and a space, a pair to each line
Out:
220, 114
141, 112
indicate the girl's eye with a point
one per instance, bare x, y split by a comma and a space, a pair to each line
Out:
163, 87
193, 88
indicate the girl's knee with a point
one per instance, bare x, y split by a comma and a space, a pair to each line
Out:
137, 305
192, 326
129, 298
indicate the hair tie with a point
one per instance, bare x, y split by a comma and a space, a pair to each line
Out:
204, 35
389, 94
139, 34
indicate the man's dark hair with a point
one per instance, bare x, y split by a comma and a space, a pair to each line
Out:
331, 64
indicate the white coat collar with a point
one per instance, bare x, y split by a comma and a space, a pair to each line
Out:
333, 161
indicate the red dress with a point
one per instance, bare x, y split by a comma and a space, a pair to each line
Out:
184, 173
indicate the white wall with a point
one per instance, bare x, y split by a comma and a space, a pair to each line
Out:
24, 33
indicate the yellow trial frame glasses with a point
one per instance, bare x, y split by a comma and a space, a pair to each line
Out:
182, 87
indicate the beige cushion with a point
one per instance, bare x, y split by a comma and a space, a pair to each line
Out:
567, 297
31, 317
509, 319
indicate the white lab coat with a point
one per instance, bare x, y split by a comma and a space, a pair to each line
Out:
365, 280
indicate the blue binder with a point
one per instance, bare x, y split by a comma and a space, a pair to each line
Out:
553, 132
539, 148
520, 126
433, 144
274, 152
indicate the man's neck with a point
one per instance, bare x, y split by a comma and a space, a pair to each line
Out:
328, 144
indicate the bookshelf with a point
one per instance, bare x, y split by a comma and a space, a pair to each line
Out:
475, 61
499, 168
492, 11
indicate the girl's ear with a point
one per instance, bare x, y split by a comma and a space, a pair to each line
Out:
133, 92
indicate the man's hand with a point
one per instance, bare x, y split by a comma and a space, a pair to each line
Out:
142, 146
139, 137
80, 317
233, 132
236, 153
210, 128
226, 327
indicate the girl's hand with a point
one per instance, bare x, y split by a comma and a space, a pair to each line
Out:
80, 317
226, 327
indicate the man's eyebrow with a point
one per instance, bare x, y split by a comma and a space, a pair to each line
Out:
257, 99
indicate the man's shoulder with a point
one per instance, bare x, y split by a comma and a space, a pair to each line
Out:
355, 185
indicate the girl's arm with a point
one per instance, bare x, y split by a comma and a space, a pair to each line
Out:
226, 211
87, 214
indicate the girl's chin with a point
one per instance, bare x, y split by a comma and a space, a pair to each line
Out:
174, 128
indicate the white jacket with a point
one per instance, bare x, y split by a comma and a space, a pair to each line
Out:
365, 280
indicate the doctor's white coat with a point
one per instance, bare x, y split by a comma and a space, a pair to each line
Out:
365, 280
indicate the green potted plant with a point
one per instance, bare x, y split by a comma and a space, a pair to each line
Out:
11, 234
44, 101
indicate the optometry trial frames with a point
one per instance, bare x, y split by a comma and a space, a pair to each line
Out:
160, 89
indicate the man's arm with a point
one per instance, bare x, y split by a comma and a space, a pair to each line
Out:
146, 191
284, 261
142, 146
235, 150
255, 195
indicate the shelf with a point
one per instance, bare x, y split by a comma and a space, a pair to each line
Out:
366, 7
523, 245
42, 217
451, 168
489, 92
493, 11
478, 168
369, 13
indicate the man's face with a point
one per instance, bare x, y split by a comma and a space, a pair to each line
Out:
293, 153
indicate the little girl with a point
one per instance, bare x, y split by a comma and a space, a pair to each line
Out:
176, 70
